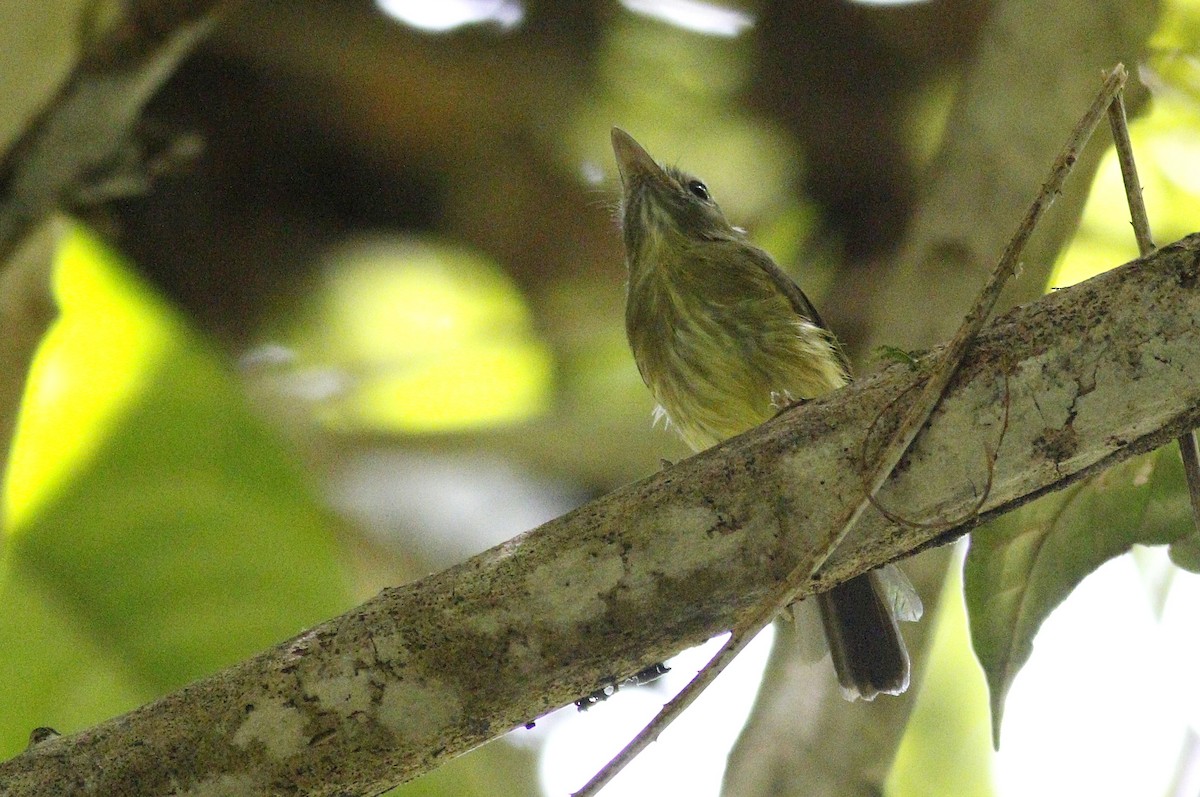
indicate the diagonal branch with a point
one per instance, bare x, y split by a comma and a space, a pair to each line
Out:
1090, 375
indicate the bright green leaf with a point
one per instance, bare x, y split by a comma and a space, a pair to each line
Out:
158, 530
945, 746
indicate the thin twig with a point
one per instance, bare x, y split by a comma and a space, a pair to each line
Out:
1189, 449
787, 590
1133, 186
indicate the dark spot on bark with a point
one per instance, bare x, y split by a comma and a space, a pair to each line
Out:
723, 526
1189, 275
322, 736
1057, 445
1133, 359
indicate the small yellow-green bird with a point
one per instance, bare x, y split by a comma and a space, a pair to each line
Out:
724, 340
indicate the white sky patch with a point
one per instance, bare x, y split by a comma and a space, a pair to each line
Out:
1102, 706
446, 15
689, 758
694, 15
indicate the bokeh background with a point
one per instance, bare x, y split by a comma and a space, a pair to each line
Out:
373, 325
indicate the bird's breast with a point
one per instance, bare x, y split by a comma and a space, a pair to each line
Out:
721, 364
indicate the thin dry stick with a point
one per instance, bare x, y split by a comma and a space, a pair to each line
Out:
1133, 186
787, 590
1188, 447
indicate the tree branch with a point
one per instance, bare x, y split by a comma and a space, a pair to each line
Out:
1091, 375
87, 126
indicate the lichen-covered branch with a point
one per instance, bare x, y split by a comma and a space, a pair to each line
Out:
1089, 376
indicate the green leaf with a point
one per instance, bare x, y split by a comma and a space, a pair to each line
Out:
157, 530
1185, 553
1022, 565
895, 354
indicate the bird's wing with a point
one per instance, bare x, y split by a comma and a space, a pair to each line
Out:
800, 303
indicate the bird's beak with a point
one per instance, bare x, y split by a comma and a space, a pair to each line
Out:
635, 163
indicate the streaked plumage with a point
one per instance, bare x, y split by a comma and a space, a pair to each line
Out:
724, 340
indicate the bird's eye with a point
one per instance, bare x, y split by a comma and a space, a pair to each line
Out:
698, 189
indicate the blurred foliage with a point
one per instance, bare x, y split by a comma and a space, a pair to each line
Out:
946, 749
428, 338
1168, 160
158, 531
667, 86
36, 52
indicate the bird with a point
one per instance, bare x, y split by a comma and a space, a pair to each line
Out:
724, 340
